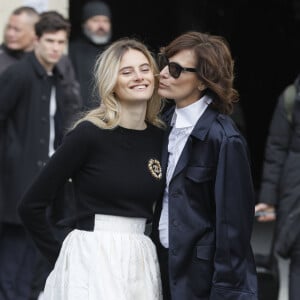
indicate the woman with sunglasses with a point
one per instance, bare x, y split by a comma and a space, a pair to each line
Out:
205, 219
113, 157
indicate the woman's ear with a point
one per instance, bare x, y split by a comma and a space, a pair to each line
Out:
201, 86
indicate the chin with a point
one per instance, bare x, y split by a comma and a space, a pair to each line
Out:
54, 61
13, 47
164, 95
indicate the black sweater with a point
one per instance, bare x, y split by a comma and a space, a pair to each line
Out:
111, 176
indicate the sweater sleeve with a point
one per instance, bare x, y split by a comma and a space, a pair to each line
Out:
66, 161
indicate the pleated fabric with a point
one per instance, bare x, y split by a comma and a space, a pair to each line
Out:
116, 261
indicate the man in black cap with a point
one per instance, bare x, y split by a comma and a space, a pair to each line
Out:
83, 51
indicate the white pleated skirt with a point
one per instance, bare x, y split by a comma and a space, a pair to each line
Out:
116, 261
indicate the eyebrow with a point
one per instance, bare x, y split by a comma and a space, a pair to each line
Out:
131, 67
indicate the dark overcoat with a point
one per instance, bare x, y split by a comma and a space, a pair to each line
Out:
211, 210
24, 127
280, 185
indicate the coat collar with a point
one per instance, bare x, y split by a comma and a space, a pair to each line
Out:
199, 132
204, 123
201, 127
188, 116
16, 54
39, 69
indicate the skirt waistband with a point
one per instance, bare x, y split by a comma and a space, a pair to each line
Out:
113, 223
119, 224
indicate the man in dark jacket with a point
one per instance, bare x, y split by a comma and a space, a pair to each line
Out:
19, 36
95, 37
35, 110
279, 196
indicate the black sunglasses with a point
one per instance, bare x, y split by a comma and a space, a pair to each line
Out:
174, 68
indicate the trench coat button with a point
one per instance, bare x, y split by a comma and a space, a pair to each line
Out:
44, 119
44, 98
174, 252
175, 194
39, 163
175, 223
42, 141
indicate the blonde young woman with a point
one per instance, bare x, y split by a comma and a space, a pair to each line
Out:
113, 157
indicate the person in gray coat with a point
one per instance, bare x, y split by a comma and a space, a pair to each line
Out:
279, 197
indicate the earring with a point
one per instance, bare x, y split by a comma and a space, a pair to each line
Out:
201, 86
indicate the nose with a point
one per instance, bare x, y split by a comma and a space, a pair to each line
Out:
138, 76
164, 72
56, 46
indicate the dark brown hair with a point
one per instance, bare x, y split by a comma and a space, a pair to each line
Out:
215, 66
51, 21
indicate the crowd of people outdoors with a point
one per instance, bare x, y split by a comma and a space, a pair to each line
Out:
126, 174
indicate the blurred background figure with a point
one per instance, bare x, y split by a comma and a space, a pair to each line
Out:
36, 107
19, 35
94, 38
280, 187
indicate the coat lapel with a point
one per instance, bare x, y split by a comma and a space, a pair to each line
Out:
165, 153
184, 157
199, 132
167, 117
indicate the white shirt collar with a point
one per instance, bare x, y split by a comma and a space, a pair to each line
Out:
189, 115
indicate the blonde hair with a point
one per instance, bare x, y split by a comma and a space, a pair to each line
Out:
107, 115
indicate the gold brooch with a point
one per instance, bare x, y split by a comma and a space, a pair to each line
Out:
155, 168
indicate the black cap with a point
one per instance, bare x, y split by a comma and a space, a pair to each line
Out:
92, 9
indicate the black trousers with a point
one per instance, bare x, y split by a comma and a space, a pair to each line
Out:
294, 275
163, 258
17, 260
40, 273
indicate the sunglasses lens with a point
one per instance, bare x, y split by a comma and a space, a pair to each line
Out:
174, 70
